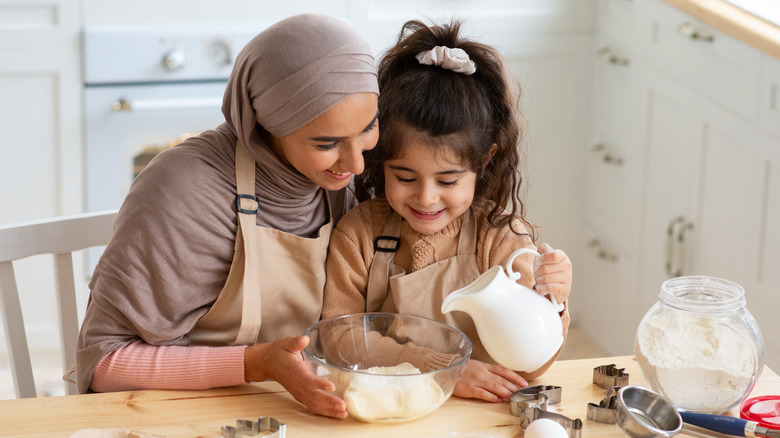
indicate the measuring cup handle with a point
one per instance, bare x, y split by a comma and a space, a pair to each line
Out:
516, 275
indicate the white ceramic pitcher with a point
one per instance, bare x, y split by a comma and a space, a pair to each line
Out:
520, 328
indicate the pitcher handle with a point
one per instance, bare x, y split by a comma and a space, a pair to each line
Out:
514, 276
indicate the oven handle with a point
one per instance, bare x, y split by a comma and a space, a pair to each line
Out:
154, 104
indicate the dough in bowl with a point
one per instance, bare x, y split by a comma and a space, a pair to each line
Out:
399, 391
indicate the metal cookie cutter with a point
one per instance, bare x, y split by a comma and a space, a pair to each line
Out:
606, 410
553, 393
254, 428
530, 407
609, 376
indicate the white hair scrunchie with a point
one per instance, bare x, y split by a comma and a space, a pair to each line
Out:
456, 59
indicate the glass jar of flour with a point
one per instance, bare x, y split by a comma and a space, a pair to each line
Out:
699, 346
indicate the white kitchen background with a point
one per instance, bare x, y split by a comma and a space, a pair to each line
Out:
650, 153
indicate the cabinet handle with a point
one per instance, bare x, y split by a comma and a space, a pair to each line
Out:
688, 30
164, 104
681, 246
671, 270
607, 156
675, 246
602, 253
613, 59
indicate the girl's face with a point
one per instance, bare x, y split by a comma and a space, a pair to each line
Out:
428, 189
329, 149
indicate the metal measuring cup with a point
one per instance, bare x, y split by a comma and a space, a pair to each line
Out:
641, 413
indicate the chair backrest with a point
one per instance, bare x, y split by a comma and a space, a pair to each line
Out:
61, 237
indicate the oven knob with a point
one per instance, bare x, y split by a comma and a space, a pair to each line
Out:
174, 60
219, 54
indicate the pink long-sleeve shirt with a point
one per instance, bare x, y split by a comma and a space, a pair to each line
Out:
143, 366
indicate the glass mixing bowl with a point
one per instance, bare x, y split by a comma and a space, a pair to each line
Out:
388, 367
699, 346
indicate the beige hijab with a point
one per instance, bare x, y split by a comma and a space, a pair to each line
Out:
174, 236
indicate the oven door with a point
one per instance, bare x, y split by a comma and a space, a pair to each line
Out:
126, 124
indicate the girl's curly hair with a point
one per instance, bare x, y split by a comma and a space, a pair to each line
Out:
468, 114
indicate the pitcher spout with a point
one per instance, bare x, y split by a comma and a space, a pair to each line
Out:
454, 301
467, 299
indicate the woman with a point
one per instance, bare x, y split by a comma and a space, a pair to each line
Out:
217, 262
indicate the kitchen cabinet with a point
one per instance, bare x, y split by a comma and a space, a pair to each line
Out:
763, 289
700, 186
699, 189
40, 109
694, 128
40, 166
606, 274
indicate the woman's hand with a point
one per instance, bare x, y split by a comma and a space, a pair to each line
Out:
553, 273
282, 361
493, 383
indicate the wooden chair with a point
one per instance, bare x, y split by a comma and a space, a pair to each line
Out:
61, 237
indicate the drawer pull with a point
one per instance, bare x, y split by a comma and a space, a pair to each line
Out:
601, 252
606, 156
689, 31
613, 59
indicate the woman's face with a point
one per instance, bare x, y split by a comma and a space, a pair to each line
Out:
428, 189
329, 149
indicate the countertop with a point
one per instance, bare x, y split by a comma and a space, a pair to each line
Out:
733, 21
202, 413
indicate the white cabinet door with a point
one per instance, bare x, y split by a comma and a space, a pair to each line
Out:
769, 108
40, 168
40, 151
700, 190
763, 290
606, 278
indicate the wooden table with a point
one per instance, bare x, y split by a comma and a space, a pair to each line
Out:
202, 413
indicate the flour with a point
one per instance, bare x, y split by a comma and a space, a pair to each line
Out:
390, 396
698, 363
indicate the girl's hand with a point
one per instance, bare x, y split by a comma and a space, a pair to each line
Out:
493, 383
553, 273
282, 361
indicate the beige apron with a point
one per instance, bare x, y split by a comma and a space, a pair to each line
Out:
276, 279
421, 293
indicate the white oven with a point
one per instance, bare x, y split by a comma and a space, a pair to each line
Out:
145, 87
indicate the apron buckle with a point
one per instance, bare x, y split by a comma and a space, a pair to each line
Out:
392, 246
245, 211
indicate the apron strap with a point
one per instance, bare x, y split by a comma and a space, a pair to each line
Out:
467, 241
385, 247
387, 244
248, 206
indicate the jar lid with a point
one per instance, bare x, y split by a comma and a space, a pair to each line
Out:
764, 410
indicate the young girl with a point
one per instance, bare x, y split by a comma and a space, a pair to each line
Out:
441, 175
